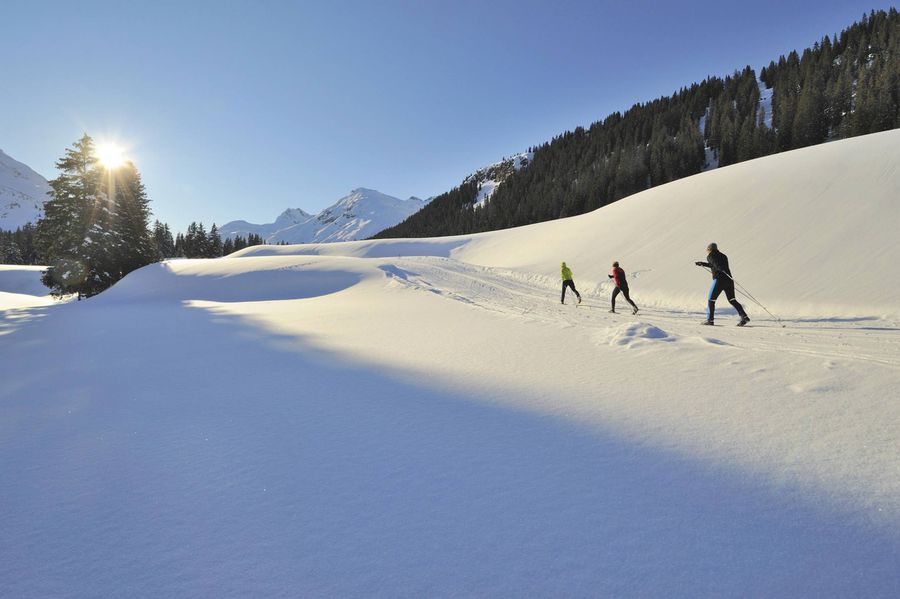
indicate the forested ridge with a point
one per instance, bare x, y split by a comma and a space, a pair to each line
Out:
843, 86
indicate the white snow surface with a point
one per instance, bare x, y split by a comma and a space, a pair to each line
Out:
22, 194
423, 418
358, 215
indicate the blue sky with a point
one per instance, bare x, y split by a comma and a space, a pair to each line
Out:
236, 109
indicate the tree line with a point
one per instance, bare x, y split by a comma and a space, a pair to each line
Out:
18, 247
843, 86
95, 228
196, 242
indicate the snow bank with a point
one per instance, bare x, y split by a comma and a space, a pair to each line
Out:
264, 279
20, 287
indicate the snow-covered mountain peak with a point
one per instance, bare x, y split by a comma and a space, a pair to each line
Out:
22, 193
358, 215
292, 216
365, 199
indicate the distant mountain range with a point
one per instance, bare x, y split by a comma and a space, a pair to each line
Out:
365, 212
359, 215
22, 194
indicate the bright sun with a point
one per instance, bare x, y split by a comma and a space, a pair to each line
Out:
110, 155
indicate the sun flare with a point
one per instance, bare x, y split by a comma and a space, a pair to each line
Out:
110, 155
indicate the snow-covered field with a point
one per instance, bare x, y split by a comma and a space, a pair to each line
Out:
423, 418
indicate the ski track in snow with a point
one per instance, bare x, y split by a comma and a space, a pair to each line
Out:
532, 296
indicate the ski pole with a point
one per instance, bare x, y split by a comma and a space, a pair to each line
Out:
749, 296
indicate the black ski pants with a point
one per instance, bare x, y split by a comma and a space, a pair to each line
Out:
623, 291
718, 286
568, 283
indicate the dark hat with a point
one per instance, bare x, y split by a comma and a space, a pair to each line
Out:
712, 247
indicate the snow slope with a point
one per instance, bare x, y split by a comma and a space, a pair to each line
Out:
22, 194
809, 233
361, 214
423, 418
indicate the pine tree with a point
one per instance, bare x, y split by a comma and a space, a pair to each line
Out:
135, 245
809, 126
201, 248
215, 243
63, 234
163, 242
9, 251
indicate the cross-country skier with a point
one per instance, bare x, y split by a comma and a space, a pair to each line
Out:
567, 281
618, 275
721, 281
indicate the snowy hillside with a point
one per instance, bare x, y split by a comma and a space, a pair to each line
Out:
361, 214
490, 177
423, 418
808, 232
22, 194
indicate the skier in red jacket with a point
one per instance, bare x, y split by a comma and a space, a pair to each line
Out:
618, 275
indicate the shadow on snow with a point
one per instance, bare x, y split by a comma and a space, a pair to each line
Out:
201, 456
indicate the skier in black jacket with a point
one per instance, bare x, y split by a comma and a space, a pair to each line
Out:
722, 281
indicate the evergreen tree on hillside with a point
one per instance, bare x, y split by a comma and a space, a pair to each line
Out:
135, 244
94, 230
9, 251
201, 242
62, 235
195, 242
17, 247
215, 243
163, 242
839, 87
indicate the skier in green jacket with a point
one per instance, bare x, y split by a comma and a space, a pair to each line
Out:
567, 281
